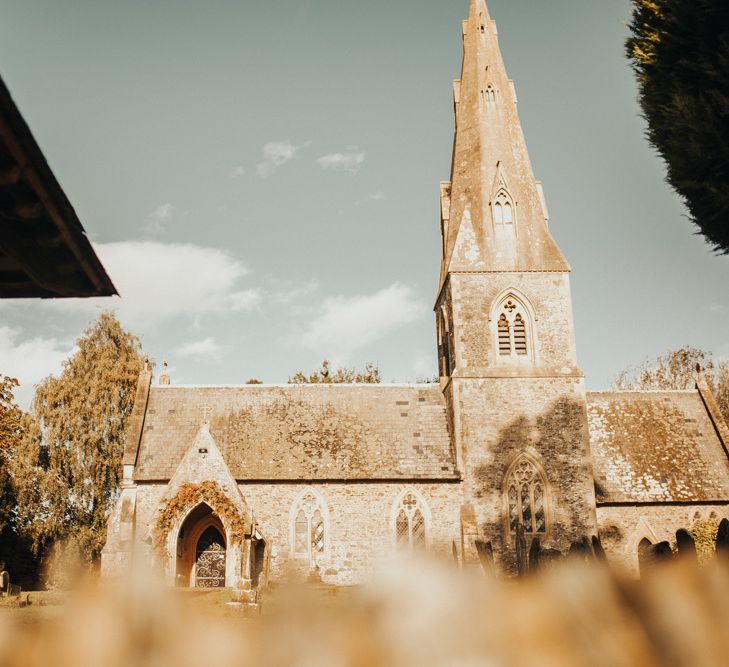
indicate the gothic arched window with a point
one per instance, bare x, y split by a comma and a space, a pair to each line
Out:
410, 527
309, 529
525, 490
512, 330
503, 208
444, 342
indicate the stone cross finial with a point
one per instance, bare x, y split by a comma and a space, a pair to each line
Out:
164, 377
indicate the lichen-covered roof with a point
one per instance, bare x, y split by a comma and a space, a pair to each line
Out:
655, 447
302, 431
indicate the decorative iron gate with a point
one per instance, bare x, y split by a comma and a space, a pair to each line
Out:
210, 568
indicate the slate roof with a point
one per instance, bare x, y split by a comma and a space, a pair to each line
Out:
302, 432
655, 447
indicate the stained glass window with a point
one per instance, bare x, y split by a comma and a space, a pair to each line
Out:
525, 497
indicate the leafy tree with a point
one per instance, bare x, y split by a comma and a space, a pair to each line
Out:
679, 50
327, 375
12, 425
676, 369
69, 466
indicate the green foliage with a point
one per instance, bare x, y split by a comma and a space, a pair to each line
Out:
68, 469
679, 50
676, 369
704, 534
326, 375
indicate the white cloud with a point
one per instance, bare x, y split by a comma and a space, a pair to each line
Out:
237, 172
29, 360
277, 153
350, 161
160, 281
295, 293
200, 349
159, 218
346, 324
377, 196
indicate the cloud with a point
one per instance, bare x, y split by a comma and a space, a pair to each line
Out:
350, 161
200, 349
29, 360
237, 172
375, 196
277, 153
159, 218
345, 324
296, 293
160, 281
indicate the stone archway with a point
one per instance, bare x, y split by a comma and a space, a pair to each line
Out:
201, 552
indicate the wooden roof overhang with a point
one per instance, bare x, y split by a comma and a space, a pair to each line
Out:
44, 250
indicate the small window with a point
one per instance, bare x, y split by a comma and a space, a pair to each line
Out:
525, 496
488, 95
503, 209
410, 524
444, 343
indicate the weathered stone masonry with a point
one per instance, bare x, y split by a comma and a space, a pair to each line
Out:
330, 480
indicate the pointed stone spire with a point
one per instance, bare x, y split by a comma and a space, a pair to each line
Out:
493, 211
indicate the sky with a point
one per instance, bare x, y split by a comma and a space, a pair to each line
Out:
260, 180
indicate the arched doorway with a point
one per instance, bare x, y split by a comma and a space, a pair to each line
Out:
201, 550
210, 559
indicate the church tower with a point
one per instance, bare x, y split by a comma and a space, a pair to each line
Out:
506, 344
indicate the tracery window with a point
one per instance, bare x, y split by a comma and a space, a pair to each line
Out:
525, 493
410, 523
503, 208
489, 95
511, 330
309, 530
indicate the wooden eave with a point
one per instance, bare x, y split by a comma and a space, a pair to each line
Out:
44, 250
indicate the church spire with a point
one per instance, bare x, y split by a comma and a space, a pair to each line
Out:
493, 212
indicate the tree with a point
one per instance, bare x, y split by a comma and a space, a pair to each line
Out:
325, 375
69, 466
679, 50
12, 425
676, 369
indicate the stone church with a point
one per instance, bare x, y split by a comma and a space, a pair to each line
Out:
236, 485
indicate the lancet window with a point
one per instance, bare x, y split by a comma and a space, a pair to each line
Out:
410, 523
309, 528
525, 490
489, 95
444, 342
512, 331
503, 209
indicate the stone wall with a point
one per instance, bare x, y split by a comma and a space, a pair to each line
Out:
548, 295
621, 528
358, 522
544, 418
